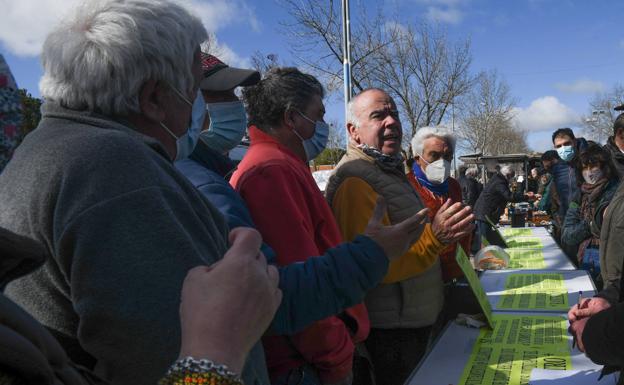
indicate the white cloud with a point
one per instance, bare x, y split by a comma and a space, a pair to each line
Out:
621, 43
217, 14
26, 23
450, 15
448, 3
393, 26
545, 113
225, 53
444, 11
581, 86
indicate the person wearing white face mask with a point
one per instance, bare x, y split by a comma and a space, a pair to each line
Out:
432, 148
583, 220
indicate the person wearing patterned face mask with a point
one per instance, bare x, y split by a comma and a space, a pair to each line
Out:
598, 182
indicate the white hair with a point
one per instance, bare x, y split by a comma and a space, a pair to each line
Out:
472, 171
102, 55
351, 115
351, 118
425, 133
507, 171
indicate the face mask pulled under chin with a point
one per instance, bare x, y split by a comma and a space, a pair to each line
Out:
228, 122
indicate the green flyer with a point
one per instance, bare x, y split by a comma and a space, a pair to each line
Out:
517, 232
526, 259
475, 284
516, 345
534, 291
528, 242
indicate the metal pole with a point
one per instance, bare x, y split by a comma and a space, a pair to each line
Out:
454, 150
346, 57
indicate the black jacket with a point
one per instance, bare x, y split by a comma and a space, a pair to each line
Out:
603, 338
28, 352
494, 198
616, 155
470, 190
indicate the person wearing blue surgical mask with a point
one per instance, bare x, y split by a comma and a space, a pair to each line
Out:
564, 176
225, 122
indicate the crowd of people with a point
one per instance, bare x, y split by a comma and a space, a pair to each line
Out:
136, 252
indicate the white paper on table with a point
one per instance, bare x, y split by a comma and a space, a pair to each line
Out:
569, 377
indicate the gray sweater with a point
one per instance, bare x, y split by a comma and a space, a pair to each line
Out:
123, 228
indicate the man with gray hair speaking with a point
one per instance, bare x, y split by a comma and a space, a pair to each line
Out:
407, 303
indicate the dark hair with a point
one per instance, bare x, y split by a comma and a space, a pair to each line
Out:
282, 89
594, 155
618, 124
561, 132
550, 155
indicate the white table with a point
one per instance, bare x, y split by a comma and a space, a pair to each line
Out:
554, 258
445, 362
493, 282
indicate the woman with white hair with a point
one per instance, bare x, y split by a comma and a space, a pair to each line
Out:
492, 201
95, 184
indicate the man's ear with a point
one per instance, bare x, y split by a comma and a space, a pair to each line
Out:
288, 118
353, 132
152, 99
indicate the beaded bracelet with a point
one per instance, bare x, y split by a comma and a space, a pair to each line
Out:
188, 370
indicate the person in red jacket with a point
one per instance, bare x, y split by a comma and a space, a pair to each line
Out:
433, 148
286, 131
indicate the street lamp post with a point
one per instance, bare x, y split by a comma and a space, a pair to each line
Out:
346, 57
595, 121
453, 128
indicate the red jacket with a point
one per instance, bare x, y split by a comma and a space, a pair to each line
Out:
450, 269
295, 220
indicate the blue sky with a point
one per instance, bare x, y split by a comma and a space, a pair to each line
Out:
555, 54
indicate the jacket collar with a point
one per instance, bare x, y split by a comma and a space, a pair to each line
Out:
258, 137
212, 159
353, 151
52, 109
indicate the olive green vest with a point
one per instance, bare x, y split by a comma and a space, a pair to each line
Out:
414, 302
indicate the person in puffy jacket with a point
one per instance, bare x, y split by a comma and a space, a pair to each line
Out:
583, 220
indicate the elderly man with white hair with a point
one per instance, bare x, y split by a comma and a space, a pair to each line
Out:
492, 201
404, 307
432, 149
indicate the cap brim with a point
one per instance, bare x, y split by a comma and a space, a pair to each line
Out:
229, 78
